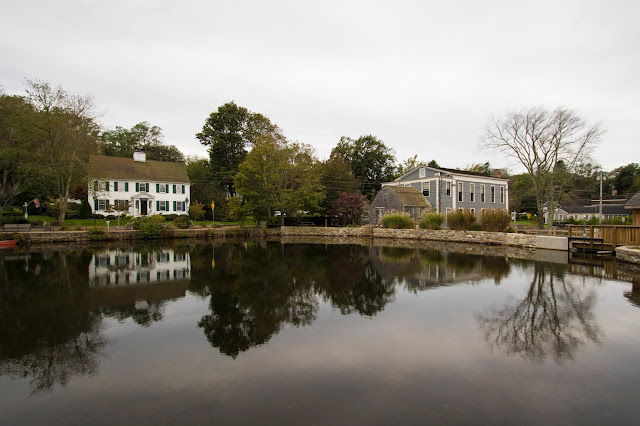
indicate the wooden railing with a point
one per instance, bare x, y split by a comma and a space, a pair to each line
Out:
618, 235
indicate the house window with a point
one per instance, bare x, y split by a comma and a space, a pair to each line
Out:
448, 189
482, 193
178, 189
95, 186
426, 186
493, 194
106, 186
460, 197
448, 210
102, 204
422, 172
472, 192
162, 188
586, 217
178, 206
142, 187
162, 206
473, 211
502, 195
121, 205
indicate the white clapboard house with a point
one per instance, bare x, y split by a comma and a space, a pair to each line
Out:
137, 186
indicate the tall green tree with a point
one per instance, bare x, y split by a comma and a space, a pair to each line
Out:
204, 189
370, 159
626, 178
336, 176
229, 133
279, 176
546, 143
122, 142
17, 119
66, 134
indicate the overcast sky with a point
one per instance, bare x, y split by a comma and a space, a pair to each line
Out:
422, 76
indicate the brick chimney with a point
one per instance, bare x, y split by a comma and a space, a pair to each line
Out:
497, 173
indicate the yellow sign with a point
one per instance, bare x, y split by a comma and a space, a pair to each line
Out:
213, 205
213, 263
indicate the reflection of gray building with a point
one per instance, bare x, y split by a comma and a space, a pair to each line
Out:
122, 267
423, 269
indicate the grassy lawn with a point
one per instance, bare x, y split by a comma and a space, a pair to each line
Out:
102, 223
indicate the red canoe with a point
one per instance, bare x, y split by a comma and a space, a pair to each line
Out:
8, 243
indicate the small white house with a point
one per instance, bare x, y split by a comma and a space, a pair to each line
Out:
137, 186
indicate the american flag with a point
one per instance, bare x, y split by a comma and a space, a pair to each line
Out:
36, 202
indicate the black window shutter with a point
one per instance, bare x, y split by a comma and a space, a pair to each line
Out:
126, 186
174, 206
157, 187
137, 187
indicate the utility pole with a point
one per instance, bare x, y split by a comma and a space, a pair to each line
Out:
600, 218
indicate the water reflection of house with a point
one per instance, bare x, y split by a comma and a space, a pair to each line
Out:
122, 267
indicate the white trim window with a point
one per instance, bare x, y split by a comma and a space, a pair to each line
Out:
482, 194
493, 194
163, 206
426, 188
448, 188
473, 211
422, 172
179, 206
502, 195
103, 204
472, 192
460, 194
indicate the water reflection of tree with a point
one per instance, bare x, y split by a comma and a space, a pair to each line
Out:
45, 336
51, 317
257, 290
554, 319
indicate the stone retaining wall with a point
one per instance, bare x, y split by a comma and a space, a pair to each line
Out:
628, 254
475, 237
52, 237
365, 232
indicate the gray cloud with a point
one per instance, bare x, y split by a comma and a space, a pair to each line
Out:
423, 77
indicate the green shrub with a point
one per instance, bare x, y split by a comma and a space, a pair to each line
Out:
495, 220
12, 219
170, 217
196, 210
398, 220
149, 227
461, 220
181, 222
431, 221
96, 234
475, 227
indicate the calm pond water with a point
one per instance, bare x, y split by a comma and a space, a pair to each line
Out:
272, 333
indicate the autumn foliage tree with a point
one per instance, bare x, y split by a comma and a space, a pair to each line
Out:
348, 208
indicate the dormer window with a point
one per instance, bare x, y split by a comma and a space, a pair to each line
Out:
422, 172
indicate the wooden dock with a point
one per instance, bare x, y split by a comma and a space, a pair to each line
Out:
602, 238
